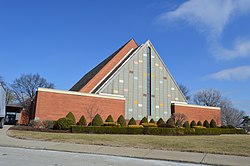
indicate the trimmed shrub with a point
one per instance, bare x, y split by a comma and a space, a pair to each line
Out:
149, 125
213, 123
161, 123
193, 123
71, 116
90, 124
35, 123
170, 123
82, 121
199, 123
152, 121
199, 127
139, 129
97, 121
48, 124
178, 123
110, 124
144, 120
121, 120
109, 119
134, 129
206, 124
227, 127
132, 121
186, 125
135, 126
64, 124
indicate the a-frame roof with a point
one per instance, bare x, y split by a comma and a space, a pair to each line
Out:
95, 76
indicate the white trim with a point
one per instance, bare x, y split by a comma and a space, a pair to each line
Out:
113, 95
190, 105
111, 70
108, 96
148, 42
118, 70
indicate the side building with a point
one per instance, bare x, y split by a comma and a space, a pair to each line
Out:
135, 75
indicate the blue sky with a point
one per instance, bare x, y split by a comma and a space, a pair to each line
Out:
205, 44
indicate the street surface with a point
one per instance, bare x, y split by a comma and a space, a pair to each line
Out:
30, 157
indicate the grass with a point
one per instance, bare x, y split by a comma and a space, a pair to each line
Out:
222, 144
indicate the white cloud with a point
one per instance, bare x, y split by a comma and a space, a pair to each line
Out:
241, 48
233, 74
211, 17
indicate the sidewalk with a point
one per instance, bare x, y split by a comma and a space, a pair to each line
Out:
192, 157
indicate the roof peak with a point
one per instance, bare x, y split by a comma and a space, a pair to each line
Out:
92, 78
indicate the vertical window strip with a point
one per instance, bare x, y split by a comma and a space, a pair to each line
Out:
149, 81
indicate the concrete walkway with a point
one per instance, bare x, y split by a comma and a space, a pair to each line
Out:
192, 157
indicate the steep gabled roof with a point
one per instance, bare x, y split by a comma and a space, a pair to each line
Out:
97, 74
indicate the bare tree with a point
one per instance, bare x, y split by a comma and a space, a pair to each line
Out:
209, 97
24, 88
185, 91
2, 82
92, 109
10, 98
229, 114
179, 117
9, 93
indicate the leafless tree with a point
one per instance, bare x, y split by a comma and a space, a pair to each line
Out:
10, 98
92, 109
185, 91
9, 93
229, 114
209, 97
24, 88
2, 82
179, 116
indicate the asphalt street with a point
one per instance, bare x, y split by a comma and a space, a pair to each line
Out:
30, 157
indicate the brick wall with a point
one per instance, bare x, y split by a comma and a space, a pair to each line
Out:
53, 104
198, 113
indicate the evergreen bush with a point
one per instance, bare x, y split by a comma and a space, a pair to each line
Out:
199, 123
170, 123
178, 123
139, 129
109, 119
132, 121
152, 121
82, 121
149, 125
110, 124
121, 120
161, 123
213, 123
64, 123
71, 116
193, 123
144, 120
186, 124
97, 121
206, 124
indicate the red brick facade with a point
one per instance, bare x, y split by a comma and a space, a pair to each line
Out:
55, 104
198, 113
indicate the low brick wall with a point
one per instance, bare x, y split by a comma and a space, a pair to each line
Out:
54, 104
198, 113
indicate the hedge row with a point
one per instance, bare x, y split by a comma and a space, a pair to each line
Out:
153, 131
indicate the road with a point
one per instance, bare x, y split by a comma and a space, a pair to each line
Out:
30, 157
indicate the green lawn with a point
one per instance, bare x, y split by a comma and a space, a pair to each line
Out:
223, 144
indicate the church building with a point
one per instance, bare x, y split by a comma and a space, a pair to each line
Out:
133, 81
